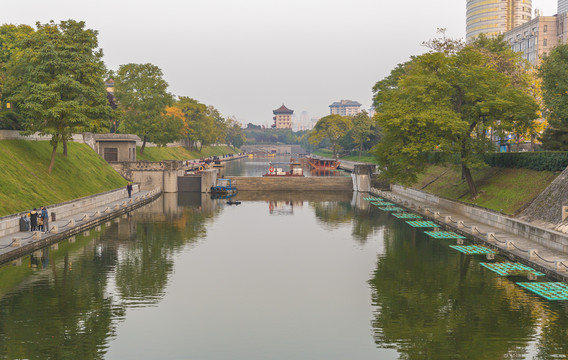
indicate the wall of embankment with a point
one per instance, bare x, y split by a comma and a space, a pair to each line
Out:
546, 237
81, 226
330, 183
11, 223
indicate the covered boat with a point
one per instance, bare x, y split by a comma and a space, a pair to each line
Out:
277, 169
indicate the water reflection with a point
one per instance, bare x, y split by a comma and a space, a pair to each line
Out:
263, 286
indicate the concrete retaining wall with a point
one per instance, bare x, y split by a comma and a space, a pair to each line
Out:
11, 224
545, 237
332, 183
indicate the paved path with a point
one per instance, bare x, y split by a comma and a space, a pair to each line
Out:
76, 221
545, 259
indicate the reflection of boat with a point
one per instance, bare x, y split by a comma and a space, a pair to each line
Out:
276, 169
223, 187
327, 172
322, 163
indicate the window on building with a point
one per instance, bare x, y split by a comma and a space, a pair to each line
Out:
110, 154
544, 42
545, 28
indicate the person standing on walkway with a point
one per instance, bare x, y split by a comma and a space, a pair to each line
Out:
129, 189
33, 220
45, 218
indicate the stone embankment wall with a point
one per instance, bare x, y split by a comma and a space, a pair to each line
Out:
10, 224
331, 183
549, 238
547, 207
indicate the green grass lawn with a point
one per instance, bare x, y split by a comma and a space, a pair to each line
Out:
501, 189
25, 182
181, 153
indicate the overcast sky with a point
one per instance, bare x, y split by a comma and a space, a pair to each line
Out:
248, 57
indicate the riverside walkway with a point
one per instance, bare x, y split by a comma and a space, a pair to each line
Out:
17, 244
553, 262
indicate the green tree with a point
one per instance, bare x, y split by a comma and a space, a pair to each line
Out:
554, 74
333, 128
361, 130
446, 102
142, 96
235, 135
56, 81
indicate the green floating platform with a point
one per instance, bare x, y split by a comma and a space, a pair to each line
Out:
390, 208
407, 216
473, 249
444, 235
548, 290
422, 224
384, 203
506, 269
372, 199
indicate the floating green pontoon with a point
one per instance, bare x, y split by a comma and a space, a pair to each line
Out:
473, 249
382, 203
548, 290
444, 235
422, 224
407, 216
390, 208
506, 269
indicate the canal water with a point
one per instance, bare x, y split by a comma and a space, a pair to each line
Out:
258, 166
281, 276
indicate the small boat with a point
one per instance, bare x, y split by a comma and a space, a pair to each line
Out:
277, 169
223, 187
323, 163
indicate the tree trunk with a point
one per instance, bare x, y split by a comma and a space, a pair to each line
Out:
143, 145
52, 158
469, 179
65, 147
360, 150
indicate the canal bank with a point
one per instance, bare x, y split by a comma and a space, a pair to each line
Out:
68, 219
543, 249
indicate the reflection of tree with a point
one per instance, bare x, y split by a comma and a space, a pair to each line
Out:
63, 316
433, 304
554, 336
145, 265
365, 222
67, 311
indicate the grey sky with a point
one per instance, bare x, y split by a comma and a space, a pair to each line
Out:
247, 57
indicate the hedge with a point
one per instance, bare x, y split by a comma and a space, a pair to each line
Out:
541, 160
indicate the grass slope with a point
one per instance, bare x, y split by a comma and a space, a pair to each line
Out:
500, 189
181, 153
505, 190
25, 182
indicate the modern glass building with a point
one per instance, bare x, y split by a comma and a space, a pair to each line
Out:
493, 17
562, 6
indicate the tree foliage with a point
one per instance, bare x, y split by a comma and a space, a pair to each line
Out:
333, 128
142, 97
448, 102
54, 79
554, 74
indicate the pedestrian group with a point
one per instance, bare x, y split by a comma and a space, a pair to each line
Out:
39, 219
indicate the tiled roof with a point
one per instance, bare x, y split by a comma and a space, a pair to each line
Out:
283, 110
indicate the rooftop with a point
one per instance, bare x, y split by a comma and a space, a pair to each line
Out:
283, 110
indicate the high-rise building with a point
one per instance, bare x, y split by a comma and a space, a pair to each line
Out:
494, 17
282, 118
562, 6
345, 108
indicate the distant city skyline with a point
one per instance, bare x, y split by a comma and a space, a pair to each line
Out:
239, 57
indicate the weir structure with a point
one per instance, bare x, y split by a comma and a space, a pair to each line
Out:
170, 177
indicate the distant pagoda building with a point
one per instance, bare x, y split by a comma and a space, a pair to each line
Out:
345, 108
282, 118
